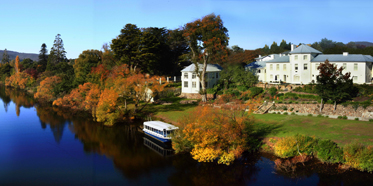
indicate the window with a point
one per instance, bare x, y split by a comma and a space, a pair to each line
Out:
296, 78
355, 66
259, 71
185, 84
277, 67
194, 84
271, 77
305, 66
284, 67
296, 57
217, 75
185, 75
305, 57
354, 79
194, 75
344, 65
296, 66
270, 67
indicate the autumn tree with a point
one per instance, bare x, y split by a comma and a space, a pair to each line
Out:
5, 58
46, 89
17, 67
207, 39
213, 134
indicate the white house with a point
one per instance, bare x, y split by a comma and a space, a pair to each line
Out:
300, 66
190, 80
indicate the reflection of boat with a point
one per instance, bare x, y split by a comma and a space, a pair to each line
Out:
163, 149
159, 130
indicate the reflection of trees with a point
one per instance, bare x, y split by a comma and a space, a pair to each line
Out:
328, 174
124, 144
20, 98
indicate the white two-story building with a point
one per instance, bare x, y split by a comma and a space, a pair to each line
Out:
191, 82
300, 66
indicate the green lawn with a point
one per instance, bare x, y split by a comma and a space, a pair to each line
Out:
340, 131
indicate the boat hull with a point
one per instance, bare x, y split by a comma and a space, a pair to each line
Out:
157, 138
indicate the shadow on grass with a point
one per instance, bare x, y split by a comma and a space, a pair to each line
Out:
261, 130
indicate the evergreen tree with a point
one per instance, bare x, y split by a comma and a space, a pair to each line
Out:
43, 57
5, 57
58, 50
283, 46
274, 48
266, 49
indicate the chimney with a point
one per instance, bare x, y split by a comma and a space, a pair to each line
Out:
292, 47
260, 55
345, 53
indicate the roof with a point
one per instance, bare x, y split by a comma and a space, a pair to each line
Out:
283, 59
342, 58
257, 64
305, 49
160, 125
209, 68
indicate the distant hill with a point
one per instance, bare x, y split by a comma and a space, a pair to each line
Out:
13, 55
366, 43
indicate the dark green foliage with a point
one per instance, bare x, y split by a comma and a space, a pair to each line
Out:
365, 104
340, 117
5, 71
370, 120
285, 113
293, 113
66, 72
306, 88
83, 65
254, 91
344, 117
273, 91
43, 58
309, 115
329, 152
5, 58
57, 52
357, 119
355, 105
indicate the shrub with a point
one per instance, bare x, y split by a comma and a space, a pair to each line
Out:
344, 117
365, 104
340, 117
254, 91
296, 102
351, 153
290, 102
243, 88
309, 115
291, 146
296, 97
329, 152
293, 113
327, 116
272, 91
345, 104
266, 97
284, 108
366, 159
357, 119
279, 102
278, 112
319, 115
280, 95
370, 120
285, 113
291, 109
355, 105
302, 102
307, 102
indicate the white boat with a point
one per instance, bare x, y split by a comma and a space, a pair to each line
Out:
159, 130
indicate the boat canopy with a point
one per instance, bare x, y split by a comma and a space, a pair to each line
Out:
160, 125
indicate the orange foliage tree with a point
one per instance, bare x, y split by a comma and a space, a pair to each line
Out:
213, 134
20, 80
45, 90
106, 108
17, 65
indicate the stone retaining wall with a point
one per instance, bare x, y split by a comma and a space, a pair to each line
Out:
328, 109
195, 96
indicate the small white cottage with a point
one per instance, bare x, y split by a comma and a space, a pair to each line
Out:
190, 80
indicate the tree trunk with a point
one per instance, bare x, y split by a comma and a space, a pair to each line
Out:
321, 106
125, 104
204, 94
335, 105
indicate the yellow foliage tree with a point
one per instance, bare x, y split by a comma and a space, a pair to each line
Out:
17, 65
213, 134
106, 108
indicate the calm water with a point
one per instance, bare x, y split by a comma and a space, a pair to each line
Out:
42, 145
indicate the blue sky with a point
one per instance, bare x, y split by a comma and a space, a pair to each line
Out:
88, 24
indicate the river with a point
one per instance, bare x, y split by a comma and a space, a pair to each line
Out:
44, 145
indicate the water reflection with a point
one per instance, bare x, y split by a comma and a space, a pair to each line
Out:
140, 160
